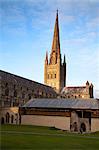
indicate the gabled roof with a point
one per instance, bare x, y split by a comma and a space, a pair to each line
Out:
73, 89
63, 103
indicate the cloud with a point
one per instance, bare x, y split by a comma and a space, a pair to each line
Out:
93, 23
81, 40
96, 93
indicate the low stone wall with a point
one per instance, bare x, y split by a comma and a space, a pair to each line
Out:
94, 124
50, 121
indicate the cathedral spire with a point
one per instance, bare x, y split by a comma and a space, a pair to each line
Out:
56, 40
46, 59
55, 68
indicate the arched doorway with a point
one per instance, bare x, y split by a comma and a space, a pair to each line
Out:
83, 127
75, 126
2, 120
12, 118
7, 117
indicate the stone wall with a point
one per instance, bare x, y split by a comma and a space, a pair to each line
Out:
94, 124
9, 115
81, 92
17, 90
50, 121
76, 122
84, 121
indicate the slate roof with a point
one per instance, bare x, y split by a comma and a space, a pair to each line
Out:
75, 89
6, 76
63, 103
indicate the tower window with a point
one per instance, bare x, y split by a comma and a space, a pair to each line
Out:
55, 75
51, 76
48, 76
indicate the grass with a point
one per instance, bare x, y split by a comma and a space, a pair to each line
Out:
48, 138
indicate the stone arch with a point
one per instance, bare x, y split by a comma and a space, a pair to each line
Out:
29, 96
15, 93
75, 126
2, 120
23, 95
7, 91
7, 117
83, 127
12, 118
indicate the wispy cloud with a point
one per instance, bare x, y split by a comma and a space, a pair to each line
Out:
93, 23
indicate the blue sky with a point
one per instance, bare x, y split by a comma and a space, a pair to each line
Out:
26, 32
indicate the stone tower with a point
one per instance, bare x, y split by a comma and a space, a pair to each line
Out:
54, 68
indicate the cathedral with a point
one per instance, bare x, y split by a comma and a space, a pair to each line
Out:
55, 72
53, 104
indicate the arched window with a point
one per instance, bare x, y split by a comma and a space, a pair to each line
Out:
23, 95
15, 93
29, 96
55, 75
6, 85
7, 91
14, 86
48, 76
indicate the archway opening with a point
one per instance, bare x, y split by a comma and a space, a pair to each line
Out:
12, 118
7, 117
83, 127
75, 126
2, 120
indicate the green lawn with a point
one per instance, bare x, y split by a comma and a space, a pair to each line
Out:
43, 138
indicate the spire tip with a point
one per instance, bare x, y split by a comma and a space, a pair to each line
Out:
57, 11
